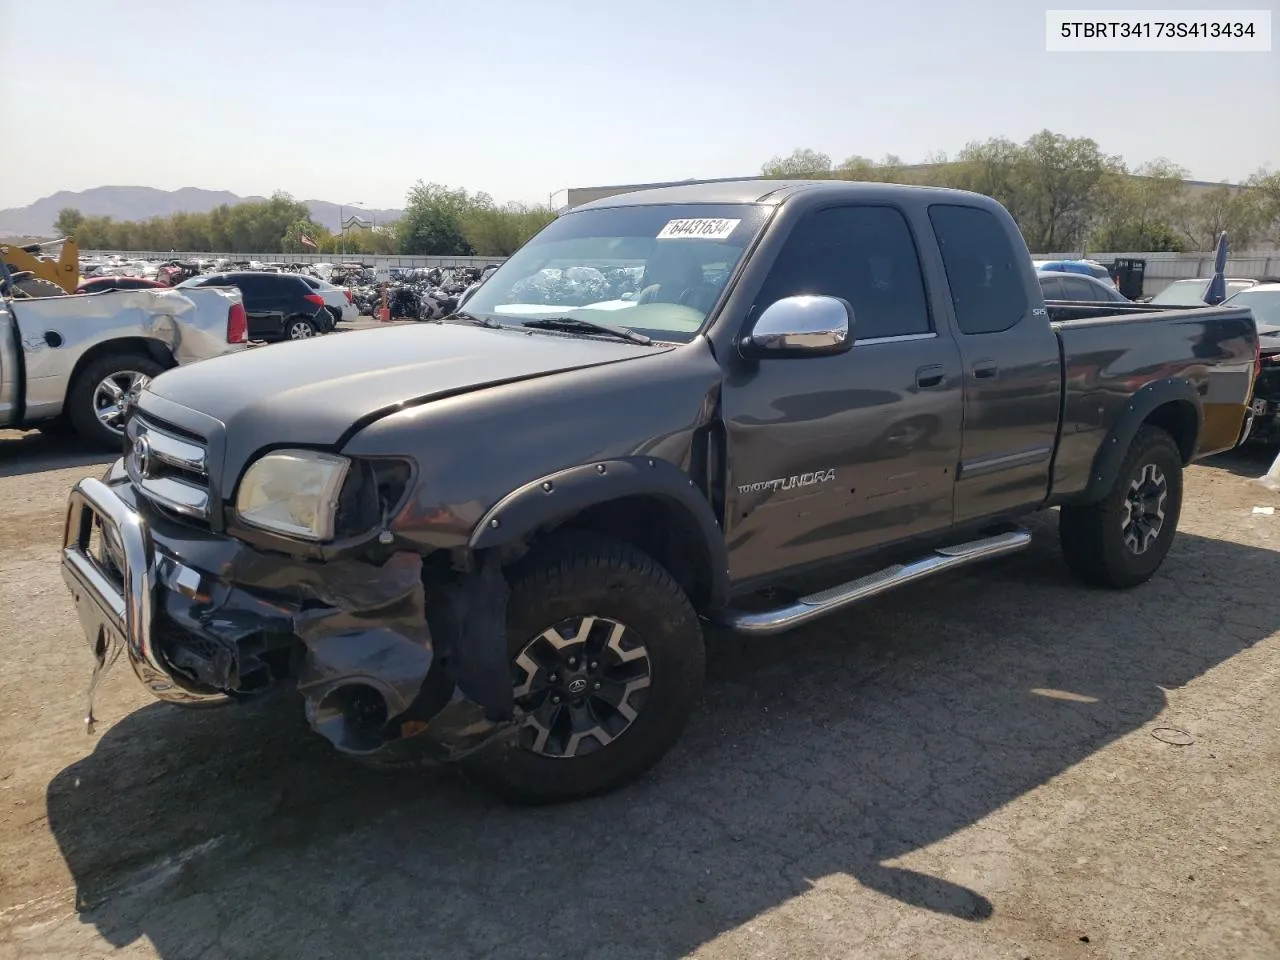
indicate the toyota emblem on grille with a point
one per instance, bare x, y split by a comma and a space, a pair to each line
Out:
142, 456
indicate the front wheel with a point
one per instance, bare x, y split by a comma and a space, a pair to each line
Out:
607, 662
1121, 540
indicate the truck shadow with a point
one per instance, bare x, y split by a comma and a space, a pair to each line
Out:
31, 451
834, 751
1251, 461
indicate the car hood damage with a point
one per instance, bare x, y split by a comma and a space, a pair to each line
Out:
320, 390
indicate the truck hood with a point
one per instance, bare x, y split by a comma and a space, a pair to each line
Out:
313, 392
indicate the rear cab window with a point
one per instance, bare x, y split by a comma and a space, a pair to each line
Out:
983, 271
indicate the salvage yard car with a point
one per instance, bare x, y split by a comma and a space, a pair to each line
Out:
1263, 300
495, 539
72, 359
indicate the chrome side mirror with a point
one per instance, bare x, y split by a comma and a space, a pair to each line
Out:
806, 326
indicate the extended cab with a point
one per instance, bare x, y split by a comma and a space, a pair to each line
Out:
496, 538
70, 360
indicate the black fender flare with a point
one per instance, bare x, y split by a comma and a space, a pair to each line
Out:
558, 496
1157, 393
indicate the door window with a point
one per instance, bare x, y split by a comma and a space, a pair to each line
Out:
1078, 288
864, 254
983, 271
1052, 288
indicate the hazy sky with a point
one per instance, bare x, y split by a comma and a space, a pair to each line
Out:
354, 100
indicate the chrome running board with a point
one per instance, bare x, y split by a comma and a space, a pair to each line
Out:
846, 594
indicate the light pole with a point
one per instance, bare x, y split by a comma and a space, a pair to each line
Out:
342, 225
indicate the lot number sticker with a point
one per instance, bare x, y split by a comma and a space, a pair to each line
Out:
701, 229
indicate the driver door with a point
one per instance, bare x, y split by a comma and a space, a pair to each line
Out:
829, 455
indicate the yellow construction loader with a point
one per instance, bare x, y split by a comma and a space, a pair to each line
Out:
35, 275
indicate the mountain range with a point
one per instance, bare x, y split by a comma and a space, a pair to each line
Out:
140, 203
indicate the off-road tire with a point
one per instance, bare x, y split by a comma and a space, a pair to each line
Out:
581, 574
80, 410
1092, 535
35, 287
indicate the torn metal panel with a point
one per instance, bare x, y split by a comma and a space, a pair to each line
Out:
373, 674
55, 332
469, 620
346, 585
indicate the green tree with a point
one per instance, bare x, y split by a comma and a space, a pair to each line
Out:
305, 227
500, 231
1062, 177
432, 221
1140, 211
68, 222
1238, 211
994, 167
1264, 191
97, 233
801, 163
856, 167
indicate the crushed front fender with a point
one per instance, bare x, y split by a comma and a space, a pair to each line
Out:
390, 668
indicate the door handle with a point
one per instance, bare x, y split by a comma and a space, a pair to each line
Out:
985, 370
934, 375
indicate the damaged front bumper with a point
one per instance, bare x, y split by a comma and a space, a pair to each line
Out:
206, 620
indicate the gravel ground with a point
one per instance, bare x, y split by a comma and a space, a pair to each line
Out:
999, 764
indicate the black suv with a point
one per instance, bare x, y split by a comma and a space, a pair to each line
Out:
280, 306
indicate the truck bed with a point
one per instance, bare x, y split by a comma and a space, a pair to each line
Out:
42, 339
1111, 354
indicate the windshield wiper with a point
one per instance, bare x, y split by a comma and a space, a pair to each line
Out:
575, 325
472, 318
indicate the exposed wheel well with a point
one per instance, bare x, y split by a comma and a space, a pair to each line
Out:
154, 349
660, 527
1178, 419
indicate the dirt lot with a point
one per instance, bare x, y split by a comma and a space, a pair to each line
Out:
997, 765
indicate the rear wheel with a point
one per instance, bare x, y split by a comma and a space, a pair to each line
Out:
299, 328
607, 661
95, 403
1122, 540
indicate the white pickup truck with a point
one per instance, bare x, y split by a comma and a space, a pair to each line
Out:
70, 361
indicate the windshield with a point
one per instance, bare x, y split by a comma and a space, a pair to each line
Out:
658, 269
1265, 305
191, 282
1190, 293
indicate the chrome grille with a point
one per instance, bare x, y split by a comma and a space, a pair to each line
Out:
167, 468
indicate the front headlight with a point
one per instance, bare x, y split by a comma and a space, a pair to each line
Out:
293, 492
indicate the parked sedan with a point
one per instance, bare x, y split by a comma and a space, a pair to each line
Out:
1078, 288
280, 306
337, 300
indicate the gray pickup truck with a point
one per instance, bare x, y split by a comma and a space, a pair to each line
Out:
496, 539
70, 360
